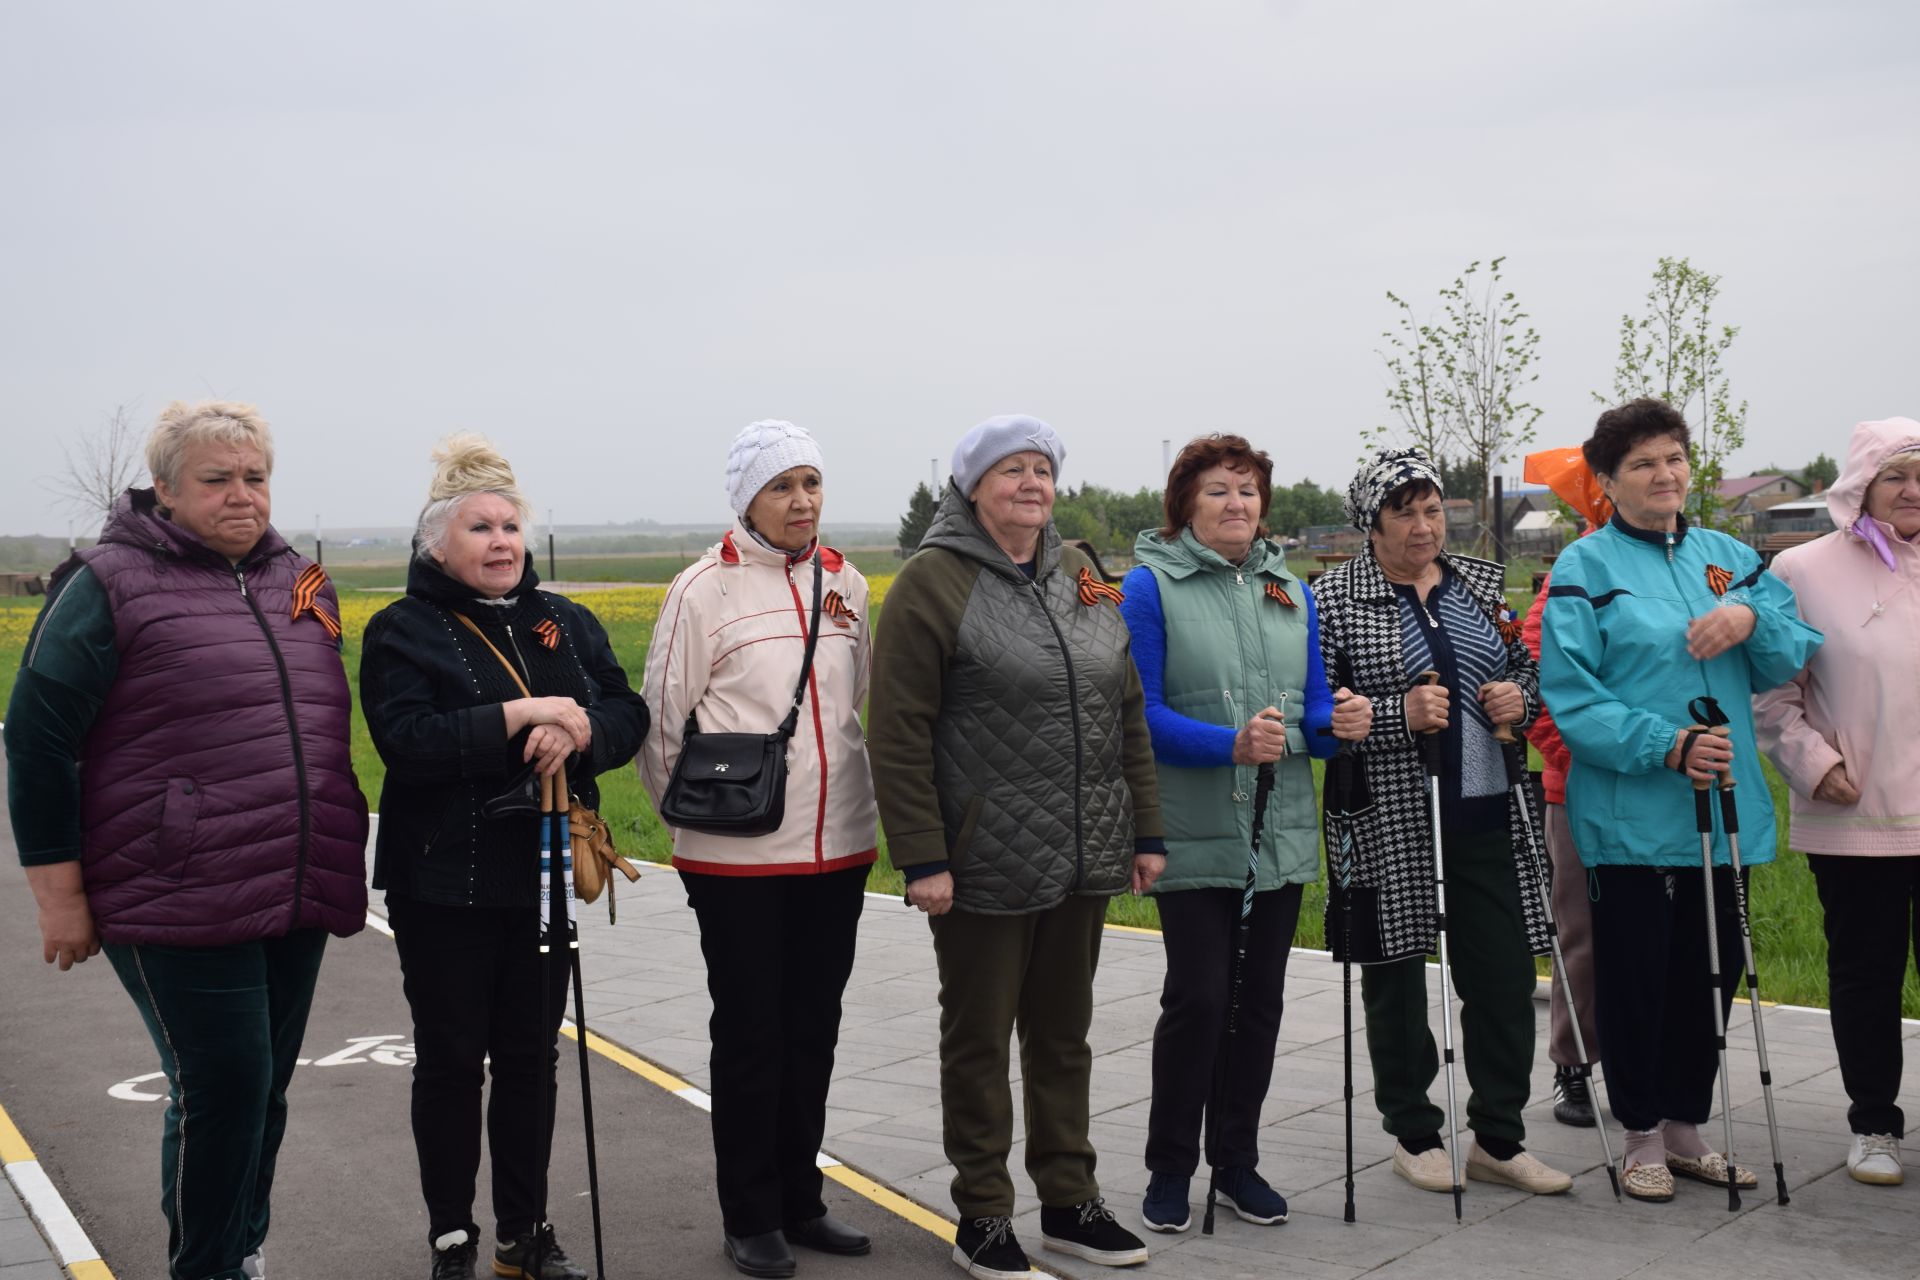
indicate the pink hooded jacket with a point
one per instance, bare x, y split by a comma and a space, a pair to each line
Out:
1858, 701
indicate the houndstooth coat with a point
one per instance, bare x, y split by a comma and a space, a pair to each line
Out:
1393, 898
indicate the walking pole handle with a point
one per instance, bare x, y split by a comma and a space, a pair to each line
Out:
1717, 731
1429, 741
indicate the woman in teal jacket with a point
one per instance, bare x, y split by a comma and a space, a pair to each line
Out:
1643, 617
1224, 638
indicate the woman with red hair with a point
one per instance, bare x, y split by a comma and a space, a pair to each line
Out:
1225, 640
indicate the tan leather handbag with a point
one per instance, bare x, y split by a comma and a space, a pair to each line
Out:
593, 851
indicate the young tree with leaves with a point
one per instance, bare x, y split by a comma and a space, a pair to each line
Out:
1458, 385
1675, 351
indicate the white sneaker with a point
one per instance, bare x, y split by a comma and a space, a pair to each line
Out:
255, 1265
1875, 1158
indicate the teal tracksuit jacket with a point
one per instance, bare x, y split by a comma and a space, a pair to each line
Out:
1615, 673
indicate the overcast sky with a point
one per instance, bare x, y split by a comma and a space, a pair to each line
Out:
610, 235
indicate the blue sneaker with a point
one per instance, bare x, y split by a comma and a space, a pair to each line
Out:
1248, 1195
1166, 1207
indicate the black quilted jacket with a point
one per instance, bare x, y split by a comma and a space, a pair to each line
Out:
1007, 727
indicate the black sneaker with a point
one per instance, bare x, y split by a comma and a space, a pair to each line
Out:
515, 1261
1248, 1195
457, 1260
985, 1248
1089, 1231
1572, 1099
1165, 1207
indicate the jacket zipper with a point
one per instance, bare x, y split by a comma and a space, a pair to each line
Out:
293, 732
1073, 712
526, 672
819, 735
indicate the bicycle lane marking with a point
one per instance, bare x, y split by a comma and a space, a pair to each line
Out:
71, 1246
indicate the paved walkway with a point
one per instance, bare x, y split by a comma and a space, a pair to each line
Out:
646, 990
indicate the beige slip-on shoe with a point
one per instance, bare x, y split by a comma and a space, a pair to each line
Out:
1710, 1169
1524, 1172
1429, 1171
1650, 1182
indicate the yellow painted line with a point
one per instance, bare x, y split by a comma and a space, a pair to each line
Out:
13, 1146
1133, 928
65, 1237
852, 1179
890, 1200
628, 1059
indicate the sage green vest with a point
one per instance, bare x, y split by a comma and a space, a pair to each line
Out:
1232, 649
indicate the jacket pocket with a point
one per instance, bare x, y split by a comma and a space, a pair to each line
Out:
964, 837
179, 811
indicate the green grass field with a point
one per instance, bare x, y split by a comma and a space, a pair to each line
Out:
1788, 937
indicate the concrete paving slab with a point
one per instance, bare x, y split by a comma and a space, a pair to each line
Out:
885, 1120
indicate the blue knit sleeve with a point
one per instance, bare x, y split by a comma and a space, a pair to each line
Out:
1318, 722
1177, 739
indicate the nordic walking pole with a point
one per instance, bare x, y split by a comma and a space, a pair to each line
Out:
1343, 767
1703, 818
1262, 791
580, 1039
1430, 755
551, 918
1730, 822
1514, 754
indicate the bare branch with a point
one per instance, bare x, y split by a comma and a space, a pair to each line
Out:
100, 465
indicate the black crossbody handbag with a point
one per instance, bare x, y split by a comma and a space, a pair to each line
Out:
735, 784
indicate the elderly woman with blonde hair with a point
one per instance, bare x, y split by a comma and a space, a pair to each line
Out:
472, 683
206, 831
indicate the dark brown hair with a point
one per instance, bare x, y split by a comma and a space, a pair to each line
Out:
1203, 453
1625, 426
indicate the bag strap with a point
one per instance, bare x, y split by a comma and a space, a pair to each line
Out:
792, 722
512, 670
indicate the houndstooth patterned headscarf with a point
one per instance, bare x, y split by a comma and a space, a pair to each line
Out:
1387, 472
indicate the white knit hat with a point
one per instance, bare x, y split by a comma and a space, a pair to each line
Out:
762, 451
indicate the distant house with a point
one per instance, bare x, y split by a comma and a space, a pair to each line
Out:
1743, 497
1461, 516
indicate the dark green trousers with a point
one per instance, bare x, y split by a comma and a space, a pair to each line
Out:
1492, 974
1034, 974
227, 1022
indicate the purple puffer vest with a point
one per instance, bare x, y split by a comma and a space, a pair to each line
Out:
219, 802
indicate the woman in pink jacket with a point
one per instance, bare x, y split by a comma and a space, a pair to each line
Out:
777, 912
1841, 733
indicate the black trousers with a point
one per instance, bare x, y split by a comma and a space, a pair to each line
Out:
779, 950
1650, 974
1872, 908
473, 978
1197, 931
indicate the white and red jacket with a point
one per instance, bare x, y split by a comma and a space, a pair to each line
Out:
728, 647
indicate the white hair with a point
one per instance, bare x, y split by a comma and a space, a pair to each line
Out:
464, 465
182, 426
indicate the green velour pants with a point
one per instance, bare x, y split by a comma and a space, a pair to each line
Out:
1492, 973
1032, 973
227, 1022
